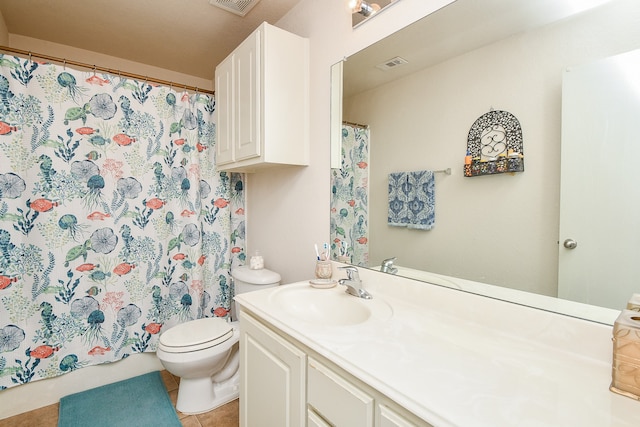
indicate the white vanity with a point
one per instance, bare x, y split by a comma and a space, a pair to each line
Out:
420, 355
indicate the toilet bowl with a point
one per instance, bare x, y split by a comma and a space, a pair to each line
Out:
204, 352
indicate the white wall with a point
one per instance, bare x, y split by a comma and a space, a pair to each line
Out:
499, 229
288, 210
4, 33
81, 55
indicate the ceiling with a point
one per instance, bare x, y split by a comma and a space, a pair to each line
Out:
186, 36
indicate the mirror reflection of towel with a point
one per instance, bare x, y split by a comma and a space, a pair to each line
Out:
421, 200
398, 196
412, 199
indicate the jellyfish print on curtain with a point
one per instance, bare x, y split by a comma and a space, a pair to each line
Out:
114, 225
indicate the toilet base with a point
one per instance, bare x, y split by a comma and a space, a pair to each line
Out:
199, 395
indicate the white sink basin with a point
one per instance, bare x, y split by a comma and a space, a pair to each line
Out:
328, 307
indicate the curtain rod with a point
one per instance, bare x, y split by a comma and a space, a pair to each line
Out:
344, 122
106, 70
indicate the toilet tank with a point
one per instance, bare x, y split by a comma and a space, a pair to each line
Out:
247, 280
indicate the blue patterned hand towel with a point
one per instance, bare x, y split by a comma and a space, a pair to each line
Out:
398, 196
421, 200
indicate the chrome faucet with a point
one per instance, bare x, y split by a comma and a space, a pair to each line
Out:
387, 266
353, 283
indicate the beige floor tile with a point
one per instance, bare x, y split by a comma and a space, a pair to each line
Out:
224, 416
169, 381
41, 417
190, 421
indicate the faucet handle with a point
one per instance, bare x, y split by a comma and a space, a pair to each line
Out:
388, 261
387, 266
352, 272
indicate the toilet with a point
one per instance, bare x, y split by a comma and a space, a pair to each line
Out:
204, 352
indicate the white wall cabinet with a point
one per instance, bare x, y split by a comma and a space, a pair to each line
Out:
262, 102
284, 383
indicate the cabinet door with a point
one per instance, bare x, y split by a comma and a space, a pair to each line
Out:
247, 90
272, 378
224, 110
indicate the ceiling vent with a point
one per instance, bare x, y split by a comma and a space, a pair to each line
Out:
392, 63
239, 7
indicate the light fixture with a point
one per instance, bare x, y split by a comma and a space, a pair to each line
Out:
363, 7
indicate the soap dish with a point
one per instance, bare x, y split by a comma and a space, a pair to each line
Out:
322, 283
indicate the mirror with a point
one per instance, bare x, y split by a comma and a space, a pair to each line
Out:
463, 61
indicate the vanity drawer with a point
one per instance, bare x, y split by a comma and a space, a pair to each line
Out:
315, 420
388, 417
336, 400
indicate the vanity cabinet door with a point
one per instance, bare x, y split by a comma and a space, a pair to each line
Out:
336, 400
272, 378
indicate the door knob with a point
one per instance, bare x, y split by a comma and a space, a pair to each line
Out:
570, 244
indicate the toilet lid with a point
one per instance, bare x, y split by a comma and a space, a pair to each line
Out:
255, 277
196, 334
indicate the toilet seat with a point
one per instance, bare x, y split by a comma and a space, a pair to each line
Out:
196, 335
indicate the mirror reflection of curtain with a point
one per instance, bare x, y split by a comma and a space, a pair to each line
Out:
114, 224
350, 198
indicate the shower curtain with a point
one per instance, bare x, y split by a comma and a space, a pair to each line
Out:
114, 225
350, 199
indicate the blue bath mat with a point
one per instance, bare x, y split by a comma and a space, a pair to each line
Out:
140, 401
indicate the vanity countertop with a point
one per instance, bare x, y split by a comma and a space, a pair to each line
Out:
458, 359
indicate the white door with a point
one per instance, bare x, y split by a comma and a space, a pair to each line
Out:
600, 185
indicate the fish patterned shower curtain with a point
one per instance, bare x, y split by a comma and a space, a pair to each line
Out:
114, 225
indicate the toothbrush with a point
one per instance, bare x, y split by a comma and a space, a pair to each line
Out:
325, 253
317, 253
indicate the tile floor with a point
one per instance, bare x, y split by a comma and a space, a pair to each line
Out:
225, 416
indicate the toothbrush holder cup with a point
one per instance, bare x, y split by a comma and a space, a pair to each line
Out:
323, 269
